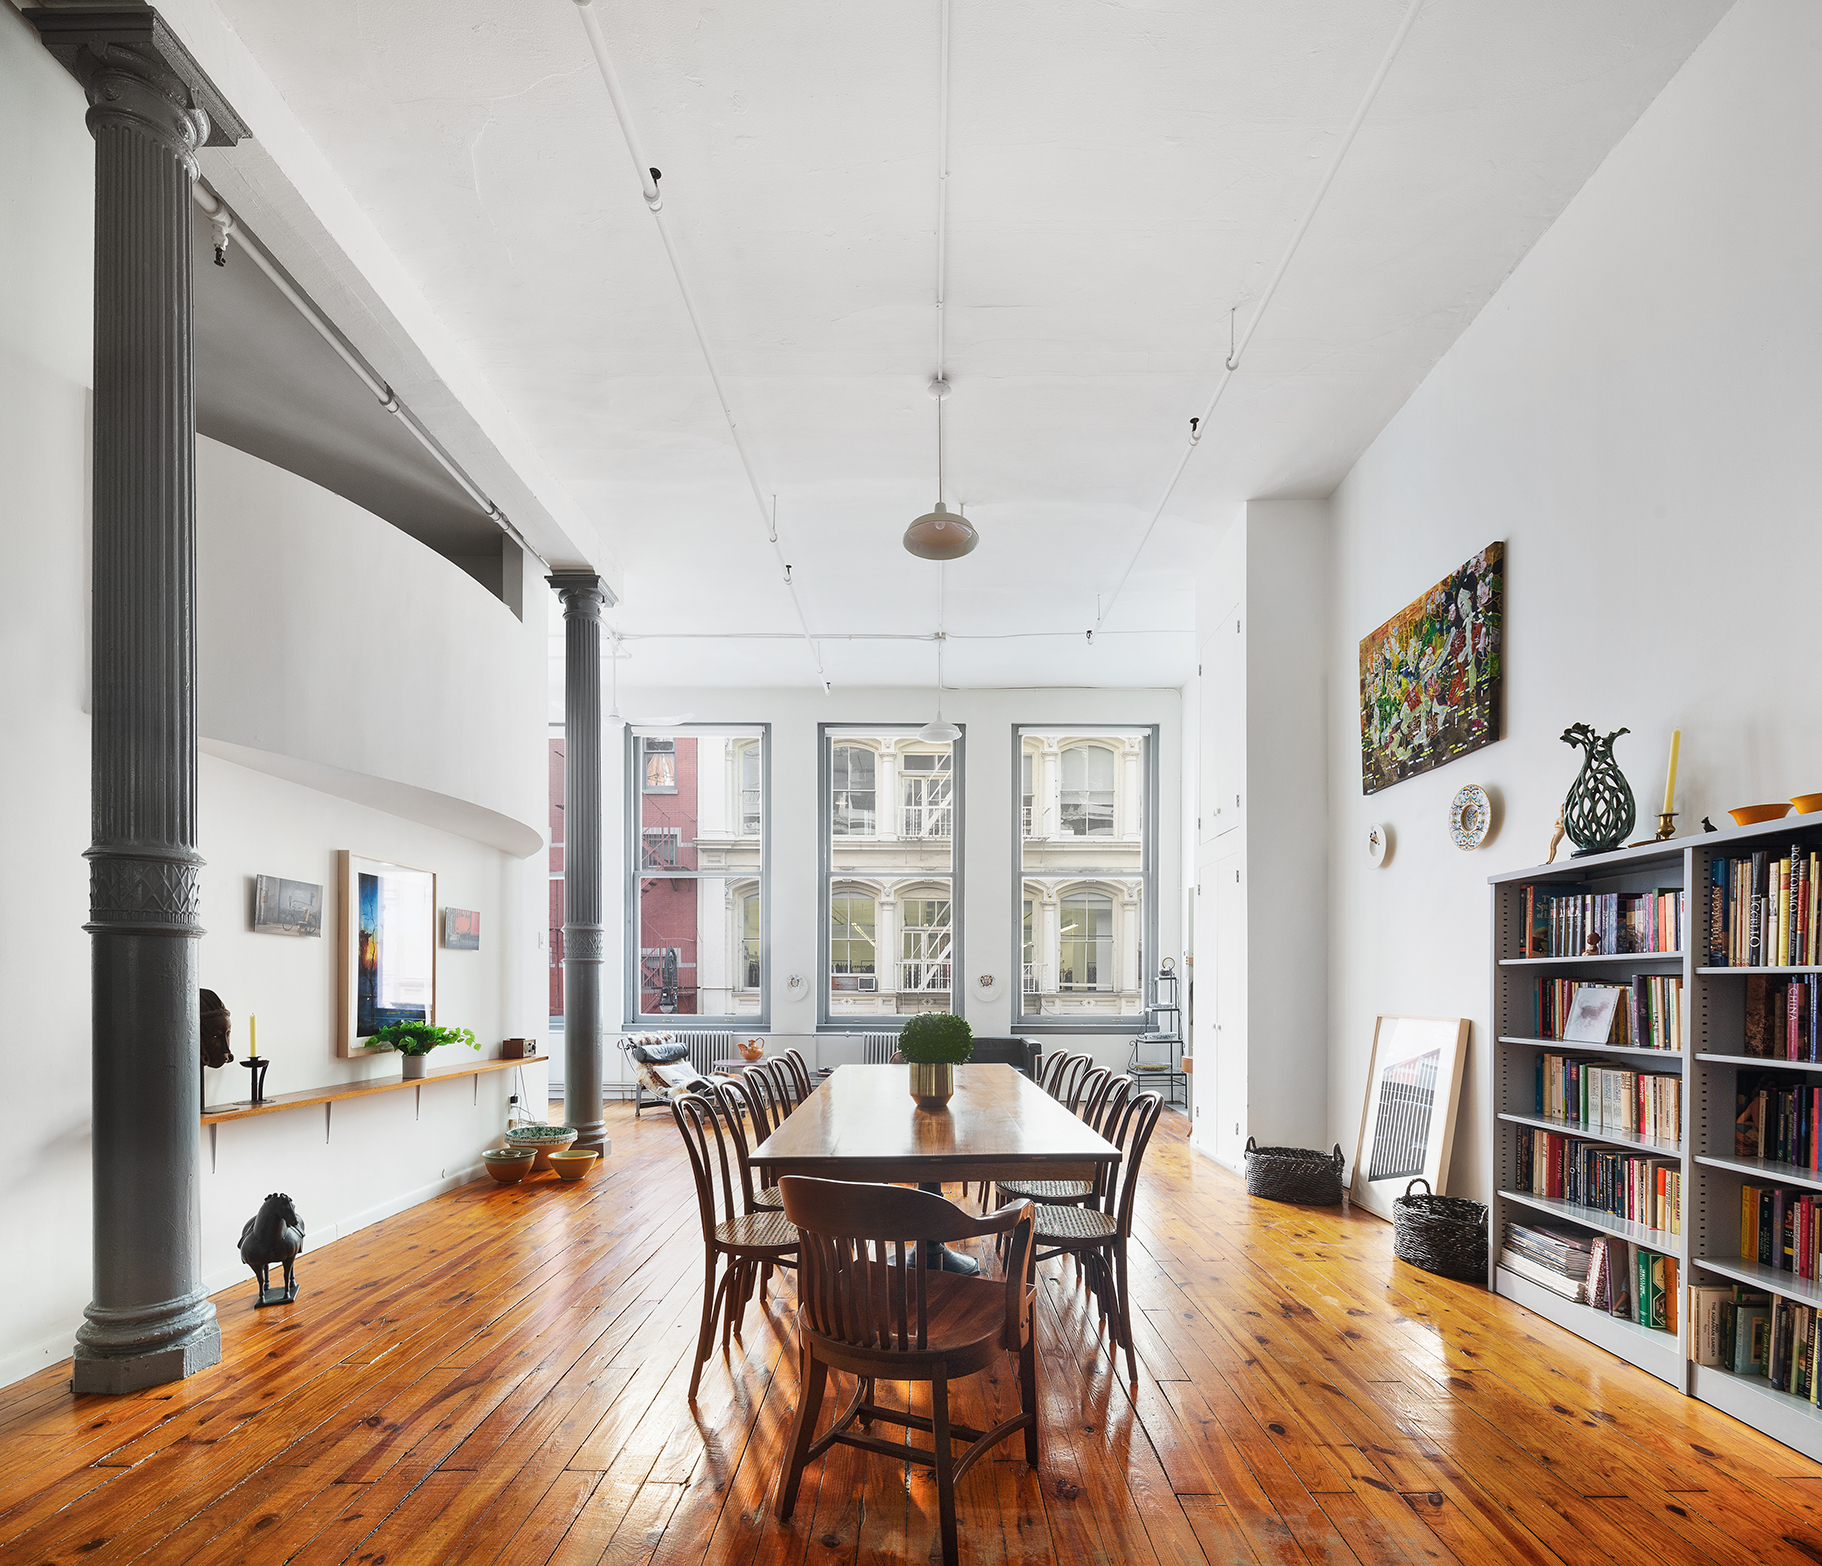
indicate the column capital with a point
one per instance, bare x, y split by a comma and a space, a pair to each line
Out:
137, 72
583, 592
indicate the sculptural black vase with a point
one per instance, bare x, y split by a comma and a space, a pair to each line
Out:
1599, 811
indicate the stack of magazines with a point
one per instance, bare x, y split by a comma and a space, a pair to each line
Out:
1555, 1258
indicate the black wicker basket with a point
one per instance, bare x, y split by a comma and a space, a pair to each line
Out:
1446, 1235
1296, 1174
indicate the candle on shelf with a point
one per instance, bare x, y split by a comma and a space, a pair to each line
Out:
1676, 740
252, 1036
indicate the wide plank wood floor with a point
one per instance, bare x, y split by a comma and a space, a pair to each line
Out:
500, 1375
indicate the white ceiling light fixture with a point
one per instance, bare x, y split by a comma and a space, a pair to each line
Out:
939, 731
941, 534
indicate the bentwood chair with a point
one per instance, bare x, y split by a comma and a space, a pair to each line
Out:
737, 1109
800, 1073
764, 1093
749, 1240
1101, 1097
1096, 1235
872, 1308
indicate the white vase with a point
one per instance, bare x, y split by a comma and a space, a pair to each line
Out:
414, 1066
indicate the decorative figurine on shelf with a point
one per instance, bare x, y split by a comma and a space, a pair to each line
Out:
256, 1083
1556, 837
1599, 810
274, 1236
1709, 826
217, 1024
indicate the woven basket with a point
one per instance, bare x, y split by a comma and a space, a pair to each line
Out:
1296, 1174
1446, 1235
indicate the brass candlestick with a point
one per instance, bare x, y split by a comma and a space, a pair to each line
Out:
1666, 825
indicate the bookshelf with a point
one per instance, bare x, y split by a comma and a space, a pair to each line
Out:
1709, 1061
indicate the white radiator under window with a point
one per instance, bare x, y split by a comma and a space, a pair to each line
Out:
877, 1049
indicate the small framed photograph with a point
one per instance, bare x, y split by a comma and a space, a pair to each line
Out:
282, 907
1591, 1014
461, 929
1407, 1125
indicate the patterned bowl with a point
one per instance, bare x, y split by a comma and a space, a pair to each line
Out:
542, 1140
574, 1165
509, 1165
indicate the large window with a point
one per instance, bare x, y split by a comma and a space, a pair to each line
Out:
1085, 902
890, 830
696, 897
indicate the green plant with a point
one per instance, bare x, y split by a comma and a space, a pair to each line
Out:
937, 1036
418, 1038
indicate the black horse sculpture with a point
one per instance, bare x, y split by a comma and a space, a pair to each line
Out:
274, 1236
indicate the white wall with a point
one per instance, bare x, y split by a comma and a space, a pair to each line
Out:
989, 798
1636, 414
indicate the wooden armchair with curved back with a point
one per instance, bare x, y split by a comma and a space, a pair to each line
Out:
870, 1306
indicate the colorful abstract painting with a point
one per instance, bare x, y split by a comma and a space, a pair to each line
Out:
1430, 676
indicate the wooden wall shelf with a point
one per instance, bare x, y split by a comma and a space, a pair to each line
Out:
342, 1090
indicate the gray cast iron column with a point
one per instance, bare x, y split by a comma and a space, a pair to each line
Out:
150, 108
584, 940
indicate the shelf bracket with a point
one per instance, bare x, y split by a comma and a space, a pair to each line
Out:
417, 1111
212, 1130
328, 1110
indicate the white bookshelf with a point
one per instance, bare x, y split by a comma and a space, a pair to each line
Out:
1707, 1249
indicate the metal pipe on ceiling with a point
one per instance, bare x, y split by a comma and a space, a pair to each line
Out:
226, 227
1199, 427
648, 188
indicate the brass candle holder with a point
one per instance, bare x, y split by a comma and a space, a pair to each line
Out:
1666, 826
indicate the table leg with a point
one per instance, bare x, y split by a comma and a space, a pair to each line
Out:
938, 1256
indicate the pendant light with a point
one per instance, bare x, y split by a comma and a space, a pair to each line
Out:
940, 534
939, 731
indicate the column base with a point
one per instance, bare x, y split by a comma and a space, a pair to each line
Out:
599, 1143
113, 1374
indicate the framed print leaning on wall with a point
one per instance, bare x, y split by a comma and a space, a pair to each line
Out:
1408, 1123
389, 947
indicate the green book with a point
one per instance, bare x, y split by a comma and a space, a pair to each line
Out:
1751, 1331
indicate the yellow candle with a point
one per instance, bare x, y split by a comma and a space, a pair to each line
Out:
1676, 740
252, 1036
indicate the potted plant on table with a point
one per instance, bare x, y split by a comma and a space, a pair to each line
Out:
415, 1040
935, 1043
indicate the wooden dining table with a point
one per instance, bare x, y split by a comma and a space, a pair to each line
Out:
863, 1124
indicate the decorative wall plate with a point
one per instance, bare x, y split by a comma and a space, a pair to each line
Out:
1470, 815
1378, 843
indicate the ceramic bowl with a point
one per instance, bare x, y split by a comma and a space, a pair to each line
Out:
508, 1165
542, 1140
573, 1165
1752, 815
1807, 804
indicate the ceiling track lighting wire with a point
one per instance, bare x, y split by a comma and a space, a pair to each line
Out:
654, 201
1236, 354
227, 227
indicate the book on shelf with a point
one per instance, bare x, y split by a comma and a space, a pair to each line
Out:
1763, 910
1553, 1257
1770, 1336
1633, 1282
1743, 1332
1575, 921
1777, 1120
1593, 1095
1705, 1303
1782, 1019
1641, 1189
1781, 1229
1646, 1013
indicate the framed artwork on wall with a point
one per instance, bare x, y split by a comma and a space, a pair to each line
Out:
389, 947
1431, 676
462, 929
1407, 1125
282, 907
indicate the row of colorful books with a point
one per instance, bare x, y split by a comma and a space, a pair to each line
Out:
1777, 1121
1731, 1328
1765, 910
1632, 1186
1573, 921
1595, 1096
1782, 1019
1781, 1229
1634, 1282
1646, 1013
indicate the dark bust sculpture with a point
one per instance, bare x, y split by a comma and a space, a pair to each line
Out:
217, 1023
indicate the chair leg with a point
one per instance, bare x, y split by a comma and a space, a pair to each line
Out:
1125, 1304
1028, 1392
945, 1468
706, 1337
730, 1287
813, 1378
866, 1396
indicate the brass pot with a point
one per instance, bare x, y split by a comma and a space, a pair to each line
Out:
932, 1083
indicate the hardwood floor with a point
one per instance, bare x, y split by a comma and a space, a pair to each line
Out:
499, 1375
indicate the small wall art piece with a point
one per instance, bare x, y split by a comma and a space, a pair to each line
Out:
462, 929
1430, 677
389, 939
1407, 1124
282, 907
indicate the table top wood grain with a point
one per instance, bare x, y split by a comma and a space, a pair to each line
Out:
863, 1124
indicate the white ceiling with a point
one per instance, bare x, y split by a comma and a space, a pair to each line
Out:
1122, 174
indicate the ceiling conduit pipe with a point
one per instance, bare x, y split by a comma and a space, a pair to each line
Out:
221, 219
648, 188
1199, 427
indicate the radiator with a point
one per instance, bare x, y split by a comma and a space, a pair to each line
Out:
706, 1048
877, 1049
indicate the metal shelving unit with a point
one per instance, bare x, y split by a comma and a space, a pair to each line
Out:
1710, 1056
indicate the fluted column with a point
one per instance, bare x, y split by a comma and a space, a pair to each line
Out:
150, 109
584, 937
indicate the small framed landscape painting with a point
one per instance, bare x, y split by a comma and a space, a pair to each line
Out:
1407, 1125
282, 907
1430, 677
389, 947
462, 929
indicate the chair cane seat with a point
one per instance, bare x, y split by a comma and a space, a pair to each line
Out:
757, 1232
1076, 1225
771, 1199
1046, 1190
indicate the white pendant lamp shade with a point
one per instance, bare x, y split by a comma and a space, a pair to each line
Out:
941, 535
940, 731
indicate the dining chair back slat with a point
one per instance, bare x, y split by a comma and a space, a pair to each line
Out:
1093, 1084
736, 1107
777, 1076
699, 1120
801, 1083
1070, 1077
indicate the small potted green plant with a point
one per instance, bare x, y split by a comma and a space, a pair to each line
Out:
935, 1043
415, 1041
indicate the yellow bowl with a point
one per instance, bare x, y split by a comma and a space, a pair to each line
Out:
1752, 815
573, 1165
1806, 804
